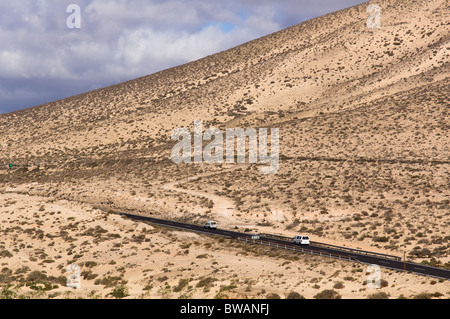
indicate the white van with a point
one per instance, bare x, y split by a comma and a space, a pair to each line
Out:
301, 240
211, 224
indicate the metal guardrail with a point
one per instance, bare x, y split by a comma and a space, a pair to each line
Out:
294, 248
256, 239
352, 250
289, 239
358, 251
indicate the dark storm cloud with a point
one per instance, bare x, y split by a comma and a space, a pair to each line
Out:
42, 60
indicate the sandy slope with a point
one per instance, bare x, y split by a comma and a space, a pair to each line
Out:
45, 236
364, 145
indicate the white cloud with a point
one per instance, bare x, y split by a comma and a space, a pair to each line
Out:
124, 39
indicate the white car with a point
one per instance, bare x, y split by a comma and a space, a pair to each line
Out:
301, 240
211, 224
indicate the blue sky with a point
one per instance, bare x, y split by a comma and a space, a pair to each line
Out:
42, 60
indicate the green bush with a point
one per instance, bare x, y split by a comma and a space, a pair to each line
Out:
338, 285
205, 282
109, 281
381, 239
427, 295
5, 253
37, 276
378, 295
181, 284
7, 293
328, 294
294, 295
119, 292
90, 264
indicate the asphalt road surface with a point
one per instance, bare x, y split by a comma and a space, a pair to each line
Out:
315, 247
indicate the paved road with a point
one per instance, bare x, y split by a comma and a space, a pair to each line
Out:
361, 256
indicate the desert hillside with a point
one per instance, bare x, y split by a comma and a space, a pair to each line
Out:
363, 125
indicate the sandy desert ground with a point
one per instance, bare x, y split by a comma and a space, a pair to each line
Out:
41, 237
364, 162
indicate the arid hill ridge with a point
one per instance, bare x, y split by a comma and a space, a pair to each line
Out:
364, 163
328, 63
